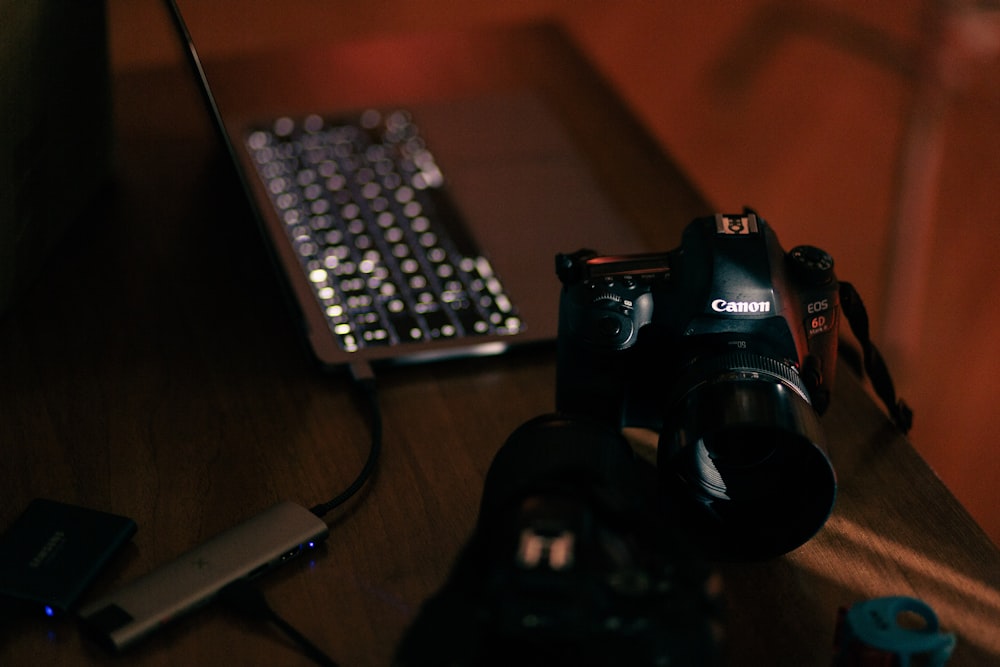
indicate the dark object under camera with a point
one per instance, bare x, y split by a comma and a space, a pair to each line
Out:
570, 564
726, 346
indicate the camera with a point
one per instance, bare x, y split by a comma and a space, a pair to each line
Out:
569, 563
726, 347
584, 553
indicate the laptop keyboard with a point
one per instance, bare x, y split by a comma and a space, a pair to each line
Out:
365, 209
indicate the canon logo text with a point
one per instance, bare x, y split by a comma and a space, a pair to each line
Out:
723, 306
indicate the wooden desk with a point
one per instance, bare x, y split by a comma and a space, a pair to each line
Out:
153, 372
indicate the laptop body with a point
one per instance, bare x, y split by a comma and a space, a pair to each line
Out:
518, 186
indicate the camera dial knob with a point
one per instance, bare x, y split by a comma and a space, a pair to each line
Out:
606, 299
811, 265
608, 322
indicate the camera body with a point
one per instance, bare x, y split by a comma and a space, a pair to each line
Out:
727, 347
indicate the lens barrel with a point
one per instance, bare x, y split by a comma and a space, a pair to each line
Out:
742, 452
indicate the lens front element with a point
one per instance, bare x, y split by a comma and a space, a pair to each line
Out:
742, 446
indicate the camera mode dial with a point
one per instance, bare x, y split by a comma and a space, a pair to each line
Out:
812, 265
612, 313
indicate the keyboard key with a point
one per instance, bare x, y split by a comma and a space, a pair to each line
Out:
380, 241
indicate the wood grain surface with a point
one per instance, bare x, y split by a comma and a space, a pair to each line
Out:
154, 372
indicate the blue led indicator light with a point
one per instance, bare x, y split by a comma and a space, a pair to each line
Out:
49, 611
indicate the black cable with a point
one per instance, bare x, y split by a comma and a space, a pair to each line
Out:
363, 376
361, 371
243, 597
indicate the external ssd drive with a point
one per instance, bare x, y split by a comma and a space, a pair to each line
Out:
193, 579
53, 551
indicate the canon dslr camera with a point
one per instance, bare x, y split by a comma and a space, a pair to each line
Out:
726, 346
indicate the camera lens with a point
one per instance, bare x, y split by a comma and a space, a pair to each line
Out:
741, 450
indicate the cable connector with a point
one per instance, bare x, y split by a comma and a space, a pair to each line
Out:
362, 372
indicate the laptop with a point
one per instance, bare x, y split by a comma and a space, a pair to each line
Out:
409, 226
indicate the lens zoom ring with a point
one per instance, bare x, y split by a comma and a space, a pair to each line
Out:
709, 368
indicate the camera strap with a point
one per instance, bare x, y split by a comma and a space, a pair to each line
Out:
874, 363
